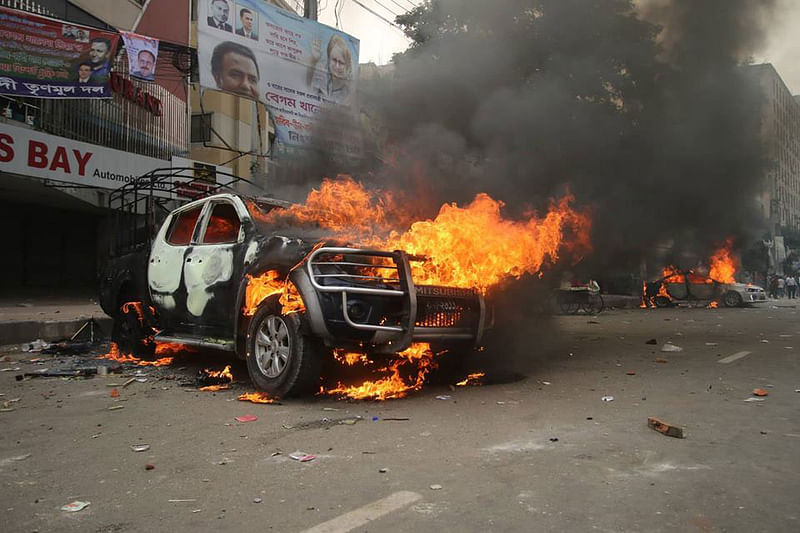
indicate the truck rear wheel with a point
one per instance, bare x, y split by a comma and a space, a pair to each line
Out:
281, 359
131, 331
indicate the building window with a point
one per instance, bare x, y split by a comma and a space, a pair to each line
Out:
201, 127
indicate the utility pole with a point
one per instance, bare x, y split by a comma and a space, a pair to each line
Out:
310, 10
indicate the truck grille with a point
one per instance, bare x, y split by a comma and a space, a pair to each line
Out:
445, 313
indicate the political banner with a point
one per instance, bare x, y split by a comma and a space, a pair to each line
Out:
48, 58
142, 55
296, 66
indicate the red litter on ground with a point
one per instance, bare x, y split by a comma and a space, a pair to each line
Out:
303, 457
760, 392
246, 418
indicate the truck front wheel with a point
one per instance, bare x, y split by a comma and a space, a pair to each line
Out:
281, 359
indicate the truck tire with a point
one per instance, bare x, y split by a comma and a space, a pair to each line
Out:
132, 332
282, 360
451, 361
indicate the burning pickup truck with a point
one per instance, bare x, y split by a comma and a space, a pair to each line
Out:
348, 275
218, 274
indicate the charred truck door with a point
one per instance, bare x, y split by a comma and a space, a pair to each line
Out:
165, 268
211, 269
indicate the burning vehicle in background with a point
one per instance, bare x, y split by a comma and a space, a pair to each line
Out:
689, 285
679, 286
287, 287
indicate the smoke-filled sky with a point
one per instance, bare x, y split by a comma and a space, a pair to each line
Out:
379, 41
658, 136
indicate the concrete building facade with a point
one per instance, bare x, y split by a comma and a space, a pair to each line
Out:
56, 220
780, 132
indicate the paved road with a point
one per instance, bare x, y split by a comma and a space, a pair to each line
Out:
492, 449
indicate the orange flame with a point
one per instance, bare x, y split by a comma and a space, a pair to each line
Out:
417, 361
671, 274
471, 247
138, 308
344, 207
260, 288
723, 264
223, 374
114, 354
255, 397
475, 247
471, 379
662, 291
713, 305
172, 348
350, 358
268, 284
214, 388
291, 301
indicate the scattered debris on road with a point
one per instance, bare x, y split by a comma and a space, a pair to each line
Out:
607, 398
74, 507
36, 346
760, 392
669, 347
652, 341
246, 418
436, 486
47, 373
140, 447
302, 457
670, 430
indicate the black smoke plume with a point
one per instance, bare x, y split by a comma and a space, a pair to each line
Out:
643, 110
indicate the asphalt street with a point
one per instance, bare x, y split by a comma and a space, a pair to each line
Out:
536, 448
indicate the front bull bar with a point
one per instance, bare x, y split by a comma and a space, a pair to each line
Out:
407, 289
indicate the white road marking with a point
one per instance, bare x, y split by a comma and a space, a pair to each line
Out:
734, 357
364, 515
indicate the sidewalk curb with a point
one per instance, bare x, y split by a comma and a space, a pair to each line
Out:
18, 332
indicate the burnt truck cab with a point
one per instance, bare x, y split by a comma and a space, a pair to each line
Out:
205, 254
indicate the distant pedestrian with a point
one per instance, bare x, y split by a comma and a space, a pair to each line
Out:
781, 286
791, 287
773, 286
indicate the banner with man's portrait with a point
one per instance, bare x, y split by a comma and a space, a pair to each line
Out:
142, 55
296, 66
48, 58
